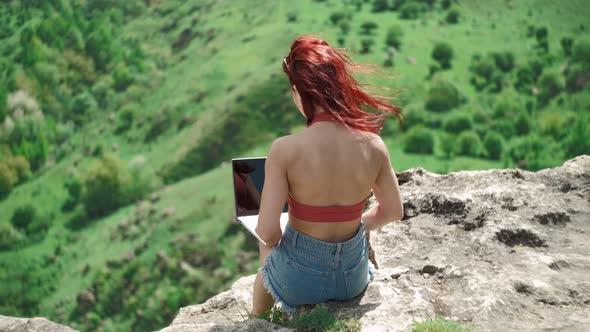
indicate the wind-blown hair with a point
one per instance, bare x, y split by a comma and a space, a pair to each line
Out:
323, 76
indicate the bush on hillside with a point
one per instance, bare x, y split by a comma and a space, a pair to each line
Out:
159, 123
366, 45
522, 125
566, 45
457, 123
368, 27
442, 96
453, 16
446, 4
394, 36
504, 60
493, 144
9, 237
443, 54
528, 75
419, 140
337, 17
126, 117
577, 141
447, 144
410, 10
380, 5
468, 144
23, 216
344, 26
122, 77
534, 152
3, 102
581, 52
550, 85
83, 107
104, 185
74, 188
553, 124
577, 77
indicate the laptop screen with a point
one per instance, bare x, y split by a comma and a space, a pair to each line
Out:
248, 174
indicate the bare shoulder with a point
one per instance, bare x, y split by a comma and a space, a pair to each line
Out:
377, 144
281, 148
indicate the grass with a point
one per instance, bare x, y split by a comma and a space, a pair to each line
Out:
316, 320
438, 324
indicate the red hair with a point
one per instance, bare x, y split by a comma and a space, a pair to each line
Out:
323, 76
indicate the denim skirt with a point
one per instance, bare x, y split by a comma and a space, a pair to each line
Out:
303, 270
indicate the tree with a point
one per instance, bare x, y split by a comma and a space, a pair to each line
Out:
494, 145
443, 54
411, 10
566, 45
453, 16
380, 5
458, 123
419, 140
3, 103
368, 27
366, 45
394, 36
442, 96
469, 144
550, 85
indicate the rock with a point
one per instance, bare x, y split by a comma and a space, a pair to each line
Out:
501, 250
37, 324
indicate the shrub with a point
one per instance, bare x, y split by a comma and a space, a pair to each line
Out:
566, 45
419, 140
368, 27
458, 122
394, 36
344, 26
522, 125
504, 127
411, 10
535, 152
453, 16
443, 54
122, 77
142, 182
159, 123
23, 216
366, 45
446, 4
336, 17
104, 184
447, 144
527, 75
577, 142
493, 143
468, 144
380, 5
3, 102
550, 85
126, 117
553, 124
581, 52
9, 237
442, 96
504, 60
8, 178
576, 78
291, 17
83, 106
74, 188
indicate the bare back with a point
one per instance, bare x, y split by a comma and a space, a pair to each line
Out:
331, 165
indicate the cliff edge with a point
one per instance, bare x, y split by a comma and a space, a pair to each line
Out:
499, 250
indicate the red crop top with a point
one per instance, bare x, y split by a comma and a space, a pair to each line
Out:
324, 213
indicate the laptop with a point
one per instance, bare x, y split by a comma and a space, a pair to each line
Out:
248, 174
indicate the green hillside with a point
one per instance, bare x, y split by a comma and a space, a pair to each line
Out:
118, 118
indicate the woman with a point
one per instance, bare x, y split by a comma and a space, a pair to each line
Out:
325, 173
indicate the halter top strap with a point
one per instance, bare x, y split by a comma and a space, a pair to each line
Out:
322, 116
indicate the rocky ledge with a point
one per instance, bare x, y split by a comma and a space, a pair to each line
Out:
499, 250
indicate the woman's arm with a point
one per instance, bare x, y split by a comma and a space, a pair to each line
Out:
389, 205
274, 194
